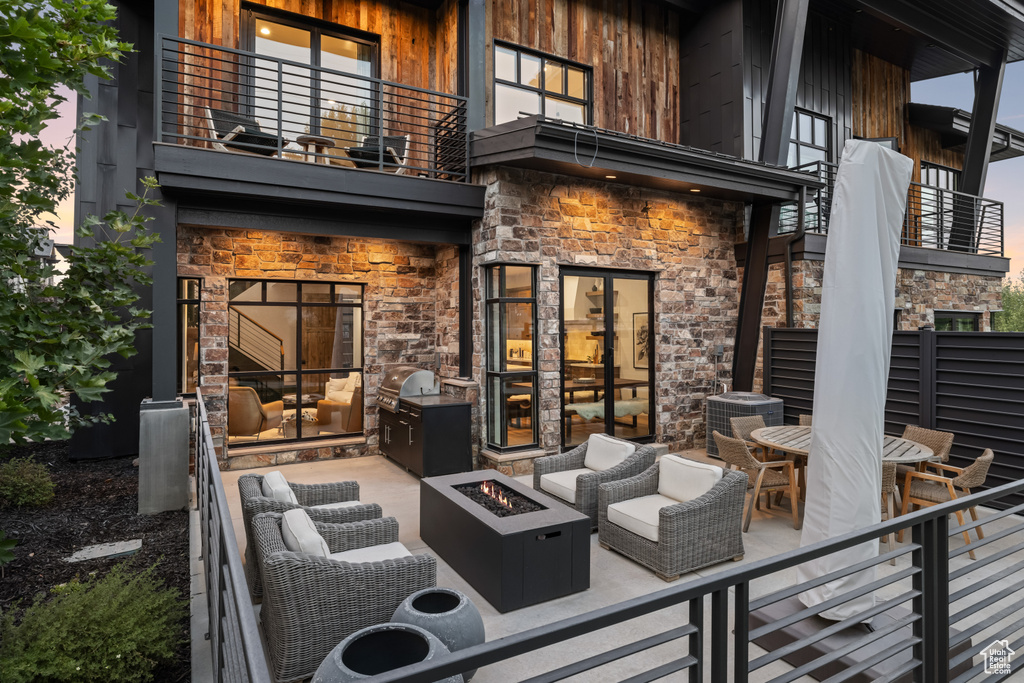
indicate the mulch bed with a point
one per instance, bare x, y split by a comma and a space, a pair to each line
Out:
96, 501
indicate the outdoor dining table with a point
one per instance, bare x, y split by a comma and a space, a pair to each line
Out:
797, 440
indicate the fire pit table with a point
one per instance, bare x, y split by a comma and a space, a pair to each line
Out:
537, 551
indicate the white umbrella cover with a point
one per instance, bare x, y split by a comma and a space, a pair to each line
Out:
852, 367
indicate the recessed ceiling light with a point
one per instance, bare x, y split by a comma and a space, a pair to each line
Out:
694, 189
265, 31
610, 177
895, 28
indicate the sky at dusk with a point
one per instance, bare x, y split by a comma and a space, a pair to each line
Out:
1005, 178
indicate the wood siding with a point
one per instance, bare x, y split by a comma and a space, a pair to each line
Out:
825, 79
412, 38
632, 46
881, 96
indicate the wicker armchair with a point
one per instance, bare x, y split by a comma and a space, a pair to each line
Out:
250, 493
691, 535
763, 477
587, 483
924, 489
310, 603
741, 429
939, 442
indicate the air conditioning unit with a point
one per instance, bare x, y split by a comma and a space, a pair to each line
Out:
739, 404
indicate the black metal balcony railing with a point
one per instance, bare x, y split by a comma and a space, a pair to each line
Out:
235, 101
936, 218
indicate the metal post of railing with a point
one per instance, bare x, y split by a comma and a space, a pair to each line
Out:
933, 603
720, 636
740, 630
380, 125
696, 644
280, 109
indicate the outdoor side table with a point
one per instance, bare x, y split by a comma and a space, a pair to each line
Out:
316, 147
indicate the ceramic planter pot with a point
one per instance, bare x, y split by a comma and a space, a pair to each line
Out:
446, 613
378, 649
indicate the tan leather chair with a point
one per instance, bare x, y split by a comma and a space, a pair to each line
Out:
335, 417
248, 416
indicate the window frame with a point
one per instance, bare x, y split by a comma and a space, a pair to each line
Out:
181, 303
796, 144
954, 316
299, 371
954, 174
588, 71
500, 299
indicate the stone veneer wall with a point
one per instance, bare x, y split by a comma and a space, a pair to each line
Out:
401, 301
688, 241
918, 292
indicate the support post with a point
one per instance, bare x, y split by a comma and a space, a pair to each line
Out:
787, 51
472, 35
163, 456
987, 89
465, 311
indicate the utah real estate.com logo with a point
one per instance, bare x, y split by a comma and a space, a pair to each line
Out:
997, 657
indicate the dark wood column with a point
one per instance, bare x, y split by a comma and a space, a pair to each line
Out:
987, 90
787, 49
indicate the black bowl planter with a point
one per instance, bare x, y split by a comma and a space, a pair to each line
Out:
446, 613
379, 649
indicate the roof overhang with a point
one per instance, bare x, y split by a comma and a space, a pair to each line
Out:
558, 147
955, 124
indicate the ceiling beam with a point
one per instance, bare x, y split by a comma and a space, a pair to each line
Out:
948, 36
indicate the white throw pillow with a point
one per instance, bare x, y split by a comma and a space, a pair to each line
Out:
275, 486
605, 452
300, 535
684, 480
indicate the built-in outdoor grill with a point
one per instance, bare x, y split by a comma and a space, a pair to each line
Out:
420, 429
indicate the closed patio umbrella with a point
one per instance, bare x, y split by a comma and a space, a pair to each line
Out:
852, 367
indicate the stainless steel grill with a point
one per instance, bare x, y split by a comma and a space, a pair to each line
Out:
404, 382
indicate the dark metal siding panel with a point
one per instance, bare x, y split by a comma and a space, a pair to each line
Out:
976, 387
711, 80
979, 396
825, 72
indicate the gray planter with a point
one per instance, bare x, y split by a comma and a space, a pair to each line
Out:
446, 613
378, 649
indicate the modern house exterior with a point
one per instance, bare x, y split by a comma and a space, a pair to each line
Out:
579, 215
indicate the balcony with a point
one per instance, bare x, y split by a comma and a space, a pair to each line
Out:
249, 104
936, 218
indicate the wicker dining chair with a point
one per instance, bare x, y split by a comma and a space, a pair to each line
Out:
312, 603
805, 420
925, 489
741, 429
889, 492
939, 442
763, 477
309, 496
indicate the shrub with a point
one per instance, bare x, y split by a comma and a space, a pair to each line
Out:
23, 481
117, 628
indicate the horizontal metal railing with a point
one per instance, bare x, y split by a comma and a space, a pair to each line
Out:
936, 218
940, 612
234, 635
244, 102
255, 341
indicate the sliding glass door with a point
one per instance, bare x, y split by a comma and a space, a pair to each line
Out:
607, 372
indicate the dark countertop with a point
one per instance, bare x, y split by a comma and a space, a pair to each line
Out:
435, 400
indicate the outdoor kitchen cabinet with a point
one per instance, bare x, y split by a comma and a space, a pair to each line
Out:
429, 435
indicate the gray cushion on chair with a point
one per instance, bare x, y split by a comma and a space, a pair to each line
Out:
276, 486
300, 535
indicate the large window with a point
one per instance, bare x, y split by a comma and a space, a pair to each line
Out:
527, 82
810, 139
336, 106
295, 355
957, 321
935, 221
511, 357
189, 293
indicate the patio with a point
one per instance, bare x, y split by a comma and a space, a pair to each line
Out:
614, 578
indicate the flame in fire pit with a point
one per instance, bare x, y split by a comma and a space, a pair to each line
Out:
492, 490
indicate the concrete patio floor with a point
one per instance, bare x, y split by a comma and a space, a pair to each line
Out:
614, 578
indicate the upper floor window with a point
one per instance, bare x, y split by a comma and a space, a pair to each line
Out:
528, 83
810, 138
957, 321
942, 177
